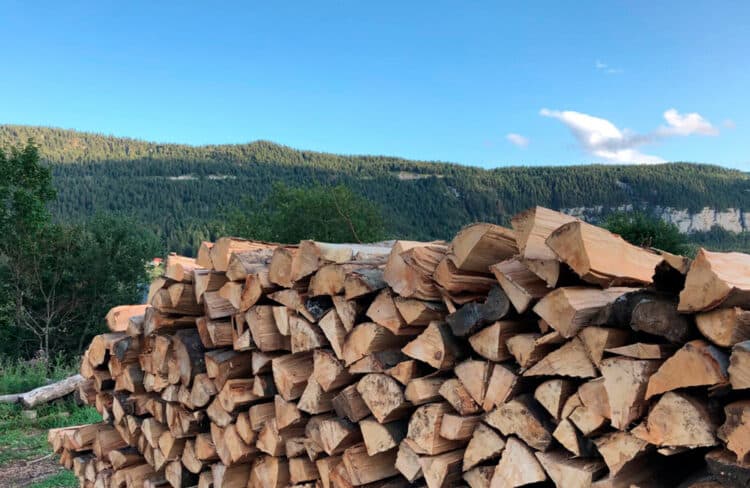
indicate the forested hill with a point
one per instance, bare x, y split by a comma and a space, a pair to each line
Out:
178, 189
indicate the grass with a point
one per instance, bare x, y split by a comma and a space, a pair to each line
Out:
63, 479
26, 439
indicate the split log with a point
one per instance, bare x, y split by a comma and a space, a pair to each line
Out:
467, 320
179, 268
458, 427
458, 397
618, 449
530, 348
642, 350
696, 364
735, 432
724, 327
410, 267
290, 373
383, 312
477, 246
569, 360
424, 390
367, 338
458, 282
532, 228
739, 366
569, 309
518, 466
601, 257
566, 472
443, 469
479, 477
597, 340
384, 397
362, 282
118, 317
491, 342
659, 316
716, 279
407, 462
678, 420
363, 468
435, 346
525, 418
223, 249
419, 312
349, 403
485, 444
381, 437
521, 286
552, 395
626, 381
424, 430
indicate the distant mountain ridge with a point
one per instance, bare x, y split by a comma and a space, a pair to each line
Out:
179, 189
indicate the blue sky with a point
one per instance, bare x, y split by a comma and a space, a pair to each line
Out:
482, 83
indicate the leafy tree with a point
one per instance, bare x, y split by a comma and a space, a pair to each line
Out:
329, 214
644, 230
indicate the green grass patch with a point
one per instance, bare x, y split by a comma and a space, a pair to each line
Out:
22, 376
63, 479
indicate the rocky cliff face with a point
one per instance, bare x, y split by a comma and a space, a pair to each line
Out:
730, 219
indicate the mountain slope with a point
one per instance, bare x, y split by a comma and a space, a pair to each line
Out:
178, 189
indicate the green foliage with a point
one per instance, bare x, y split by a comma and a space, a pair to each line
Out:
643, 230
328, 214
178, 190
22, 376
718, 239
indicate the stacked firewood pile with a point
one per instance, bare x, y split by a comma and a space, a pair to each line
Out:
552, 353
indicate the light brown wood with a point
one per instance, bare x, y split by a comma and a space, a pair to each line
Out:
525, 418
224, 247
530, 348
678, 420
735, 431
179, 268
457, 427
725, 326
435, 346
625, 381
479, 477
362, 282
456, 281
477, 246
305, 336
266, 336
443, 469
459, 398
407, 462
642, 350
424, 390
601, 257
270, 472
410, 267
517, 467
363, 468
485, 444
424, 430
716, 279
381, 437
569, 360
383, 312
532, 228
118, 317
519, 283
349, 403
566, 472
739, 366
552, 395
367, 338
328, 371
491, 342
503, 384
384, 397
569, 309
696, 364
618, 449
290, 373
597, 340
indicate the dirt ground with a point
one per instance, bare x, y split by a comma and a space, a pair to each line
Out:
17, 474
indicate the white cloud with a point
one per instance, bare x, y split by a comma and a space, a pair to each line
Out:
729, 124
602, 138
685, 125
518, 140
605, 68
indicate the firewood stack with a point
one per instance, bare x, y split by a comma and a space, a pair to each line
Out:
554, 353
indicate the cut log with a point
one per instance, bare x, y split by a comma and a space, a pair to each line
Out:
305, 336
601, 257
362, 282
569, 360
367, 338
735, 431
479, 477
381, 437
424, 430
566, 472
407, 462
696, 364
518, 466
216, 306
642, 350
626, 381
503, 385
724, 327
424, 390
384, 397
485, 444
725, 467
596, 340
335, 331
739, 366
270, 472
223, 249
458, 427
618, 449
525, 418
568, 435
410, 267
314, 400
349, 403
521, 285
467, 320
118, 317
383, 312
328, 372
491, 342
532, 228
593, 395
569, 309
716, 279
443, 469
290, 373
678, 420
419, 312
477, 246
45, 394
435, 346
458, 397
530, 348
475, 376
459, 282
179, 268
552, 395
363, 468
660, 317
